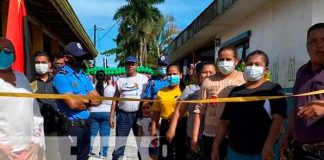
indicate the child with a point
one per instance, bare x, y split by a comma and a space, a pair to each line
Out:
149, 148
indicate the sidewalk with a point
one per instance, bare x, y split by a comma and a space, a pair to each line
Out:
130, 151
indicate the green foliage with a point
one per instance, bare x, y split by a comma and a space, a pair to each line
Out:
115, 71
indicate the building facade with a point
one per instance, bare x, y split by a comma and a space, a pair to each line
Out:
278, 27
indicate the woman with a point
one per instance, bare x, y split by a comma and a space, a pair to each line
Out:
21, 124
100, 115
253, 127
203, 70
218, 85
165, 109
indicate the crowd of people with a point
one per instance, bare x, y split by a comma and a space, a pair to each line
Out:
166, 128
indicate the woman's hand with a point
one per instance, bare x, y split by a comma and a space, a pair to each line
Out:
267, 152
5, 152
170, 135
32, 151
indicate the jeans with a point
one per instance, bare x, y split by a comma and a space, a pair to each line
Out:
99, 123
233, 155
125, 121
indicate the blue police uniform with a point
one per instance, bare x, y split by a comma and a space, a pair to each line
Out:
69, 81
154, 85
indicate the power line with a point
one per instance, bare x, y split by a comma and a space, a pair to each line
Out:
108, 31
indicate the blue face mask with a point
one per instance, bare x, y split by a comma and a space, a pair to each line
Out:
6, 59
163, 70
173, 80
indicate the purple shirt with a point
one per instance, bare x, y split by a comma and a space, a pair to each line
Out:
308, 81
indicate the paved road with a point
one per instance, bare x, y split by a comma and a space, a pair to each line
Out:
130, 152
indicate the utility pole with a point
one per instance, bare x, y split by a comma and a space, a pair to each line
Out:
94, 42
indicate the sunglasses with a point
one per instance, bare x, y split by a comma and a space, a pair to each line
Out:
6, 50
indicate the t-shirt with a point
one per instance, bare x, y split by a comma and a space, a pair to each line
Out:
131, 87
216, 86
20, 118
168, 97
250, 122
308, 131
145, 124
191, 93
105, 106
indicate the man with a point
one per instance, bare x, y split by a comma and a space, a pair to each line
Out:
48, 108
75, 114
58, 61
154, 85
130, 86
306, 125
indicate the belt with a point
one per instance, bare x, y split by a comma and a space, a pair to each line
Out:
79, 123
315, 147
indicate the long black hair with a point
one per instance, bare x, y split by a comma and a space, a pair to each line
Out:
182, 83
100, 76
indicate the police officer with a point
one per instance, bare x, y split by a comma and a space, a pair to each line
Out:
43, 84
75, 120
155, 84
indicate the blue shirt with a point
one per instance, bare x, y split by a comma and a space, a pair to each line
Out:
154, 86
69, 81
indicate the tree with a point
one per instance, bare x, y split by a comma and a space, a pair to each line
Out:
143, 31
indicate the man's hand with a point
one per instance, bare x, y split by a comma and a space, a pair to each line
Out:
5, 152
267, 152
312, 110
112, 121
170, 135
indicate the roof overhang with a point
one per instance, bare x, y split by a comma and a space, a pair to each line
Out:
225, 18
59, 18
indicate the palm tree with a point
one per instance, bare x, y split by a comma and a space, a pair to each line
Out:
140, 22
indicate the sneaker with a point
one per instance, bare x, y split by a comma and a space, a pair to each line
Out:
91, 154
103, 157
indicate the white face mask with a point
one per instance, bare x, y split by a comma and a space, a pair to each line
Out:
41, 68
225, 67
253, 73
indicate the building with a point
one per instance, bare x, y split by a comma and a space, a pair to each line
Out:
277, 27
52, 24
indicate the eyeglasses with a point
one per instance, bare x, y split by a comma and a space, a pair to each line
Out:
6, 50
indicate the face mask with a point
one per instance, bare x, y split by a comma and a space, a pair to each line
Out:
6, 59
225, 67
253, 73
41, 68
58, 67
173, 80
163, 70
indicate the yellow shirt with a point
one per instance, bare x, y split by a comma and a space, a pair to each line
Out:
168, 100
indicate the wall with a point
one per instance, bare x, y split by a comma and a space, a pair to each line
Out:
279, 28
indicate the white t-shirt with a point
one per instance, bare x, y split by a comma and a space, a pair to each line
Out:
20, 120
131, 87
105, 105
145, 124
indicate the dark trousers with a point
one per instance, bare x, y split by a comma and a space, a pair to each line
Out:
208, 146
75, 144
300, 154
125, 121
176, 150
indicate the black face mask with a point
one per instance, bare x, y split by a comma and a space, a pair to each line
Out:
76, 62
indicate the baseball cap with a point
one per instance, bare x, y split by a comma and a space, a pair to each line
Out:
75, 49
163, 60
131, 59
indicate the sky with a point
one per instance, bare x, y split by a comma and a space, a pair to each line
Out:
101, 12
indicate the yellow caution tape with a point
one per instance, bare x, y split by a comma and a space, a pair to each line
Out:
228, 99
